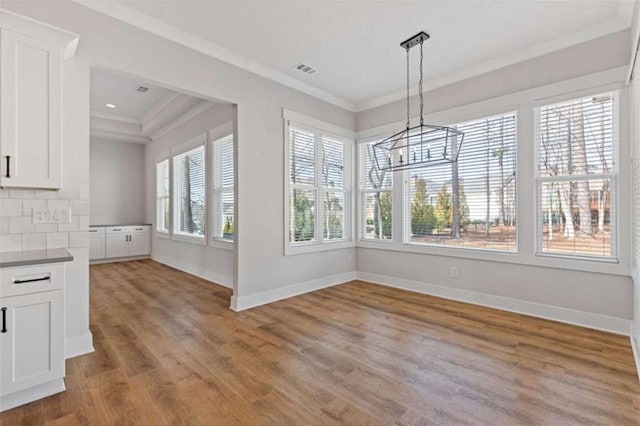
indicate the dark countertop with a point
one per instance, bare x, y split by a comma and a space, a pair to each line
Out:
33, 257
120, 224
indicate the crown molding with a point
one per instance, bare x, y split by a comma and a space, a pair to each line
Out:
165, 111
114, 117
190, 114
534, 51
133, 17
118, 137
145, 22
159, 106
32, 28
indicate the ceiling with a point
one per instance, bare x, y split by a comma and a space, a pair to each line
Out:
138, 117
354, 45
110, 88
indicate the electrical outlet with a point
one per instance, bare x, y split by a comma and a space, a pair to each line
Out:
47, 215
454, 272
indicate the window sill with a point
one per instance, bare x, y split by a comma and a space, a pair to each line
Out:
221, 243
189, 239
312, 247
531, 259
163, 234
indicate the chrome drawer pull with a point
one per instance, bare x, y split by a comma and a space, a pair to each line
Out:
32, 280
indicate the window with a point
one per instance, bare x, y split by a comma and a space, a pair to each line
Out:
471, 203
162, 196
223, 187
318, 196
375, 197
577, 171
189, 192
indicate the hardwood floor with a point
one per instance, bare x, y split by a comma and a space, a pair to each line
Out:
169, 351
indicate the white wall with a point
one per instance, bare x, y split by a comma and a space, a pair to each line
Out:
17, 232
260, 263
594, 294
117, 182
635, 132
213, 263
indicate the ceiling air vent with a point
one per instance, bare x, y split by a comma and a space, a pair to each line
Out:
142, 89
307, 69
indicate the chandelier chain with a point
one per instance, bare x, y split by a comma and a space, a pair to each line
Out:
408, 105
420, 85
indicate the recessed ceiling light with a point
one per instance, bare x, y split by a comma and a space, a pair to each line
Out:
110, 105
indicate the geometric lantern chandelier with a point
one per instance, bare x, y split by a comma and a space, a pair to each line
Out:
422, 145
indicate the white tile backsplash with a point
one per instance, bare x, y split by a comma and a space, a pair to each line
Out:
11, 242
73, 226
29, 205
10, 207
79, 207
45, 227
57, 240
20, 225
44, 194
79, 239
21, 193
18, 232
36, 241
58, 204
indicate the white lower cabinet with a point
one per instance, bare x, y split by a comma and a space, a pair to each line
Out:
96, 243
31, 333
139, 244
112, 242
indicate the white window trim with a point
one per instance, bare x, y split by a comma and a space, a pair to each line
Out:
176, 235
406, 211
291, 118
221, 132
614, 177
162, 156
360, 197
524, 102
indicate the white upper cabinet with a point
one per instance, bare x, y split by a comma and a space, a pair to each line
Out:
31, 68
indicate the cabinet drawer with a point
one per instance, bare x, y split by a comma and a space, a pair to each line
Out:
96, 230
31, 279
129, 229
116, 229
139, 228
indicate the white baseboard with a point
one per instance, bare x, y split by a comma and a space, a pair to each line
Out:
80, 345
635, 346
223, 280
252, 300
555, 313
116, 259
32, 394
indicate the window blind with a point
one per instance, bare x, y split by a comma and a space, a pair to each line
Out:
576, 144
162, 196
319, 187
471, 203
375, 197
189, 175
223, 188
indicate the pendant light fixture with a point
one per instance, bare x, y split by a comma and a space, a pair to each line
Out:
422, 145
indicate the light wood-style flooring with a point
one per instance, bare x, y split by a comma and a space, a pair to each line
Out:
169, 351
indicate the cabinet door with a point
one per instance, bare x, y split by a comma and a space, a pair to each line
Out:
117, 245
96, 247
30, 112
32, 348
140, 244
